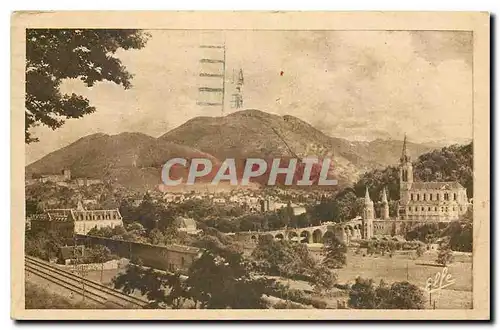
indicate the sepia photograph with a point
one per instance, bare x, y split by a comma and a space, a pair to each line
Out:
225, 162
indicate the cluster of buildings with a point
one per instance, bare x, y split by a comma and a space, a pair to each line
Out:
419, 202
63, 179
75, 221
249, 201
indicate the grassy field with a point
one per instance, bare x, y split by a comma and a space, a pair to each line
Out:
38, 297
403, 267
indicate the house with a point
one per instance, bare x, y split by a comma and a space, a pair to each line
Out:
187, 225
75, 221
67, 254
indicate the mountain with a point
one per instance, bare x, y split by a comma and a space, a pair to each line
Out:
135, 159
132, 159
380, 153
253, 133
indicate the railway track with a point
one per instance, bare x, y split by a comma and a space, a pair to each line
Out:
91, 290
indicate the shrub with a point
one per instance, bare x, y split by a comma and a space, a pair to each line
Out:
287, 305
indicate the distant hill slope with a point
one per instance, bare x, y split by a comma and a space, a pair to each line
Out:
452, 163
381, 153
132, 159
254, 133
135, 159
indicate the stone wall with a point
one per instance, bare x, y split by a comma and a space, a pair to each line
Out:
169, 258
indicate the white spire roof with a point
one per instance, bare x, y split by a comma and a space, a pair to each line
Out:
384, 196
367, 197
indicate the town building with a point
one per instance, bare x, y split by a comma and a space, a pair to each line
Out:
428, 201
75, 221
53, 220
419, 202
187, 225
65, 175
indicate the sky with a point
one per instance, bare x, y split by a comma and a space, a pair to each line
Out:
358, 85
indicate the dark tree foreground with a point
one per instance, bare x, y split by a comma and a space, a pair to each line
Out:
334, 252
53, 55
363, 294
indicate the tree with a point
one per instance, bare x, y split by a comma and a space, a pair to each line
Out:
156, 237
99, 254
452, 163
43, 245
161, 289
324, 211
426, 232
285, 259
32, 207
378, 179
370, 248
460, 233
445, 255
391, 247
171, 234
323, 279
153, 215
250, 223
362, 294
53, 55
419, 250
348, 205
400, 295
334, 253
220, 278
127, 210
136, 227
405, 295
101, 232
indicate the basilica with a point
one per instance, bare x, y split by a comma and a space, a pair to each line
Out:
419, 202
428, 201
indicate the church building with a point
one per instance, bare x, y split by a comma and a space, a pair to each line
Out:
419, 202
428, 201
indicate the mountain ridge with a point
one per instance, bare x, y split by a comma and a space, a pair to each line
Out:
242, 134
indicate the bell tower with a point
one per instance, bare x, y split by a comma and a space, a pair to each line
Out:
368, 216
405, 168
405, 180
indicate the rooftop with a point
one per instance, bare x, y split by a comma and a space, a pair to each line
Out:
437, 185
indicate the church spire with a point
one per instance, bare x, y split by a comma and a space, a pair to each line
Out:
385, 206
405, 158
367, 197
384, 196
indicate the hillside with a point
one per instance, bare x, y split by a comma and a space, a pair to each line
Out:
135, 159
132, 159
381, 153
452, 163
253, 133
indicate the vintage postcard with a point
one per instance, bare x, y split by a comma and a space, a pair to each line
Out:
250, 165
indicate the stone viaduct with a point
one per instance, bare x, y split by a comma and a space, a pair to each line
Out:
345, 231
